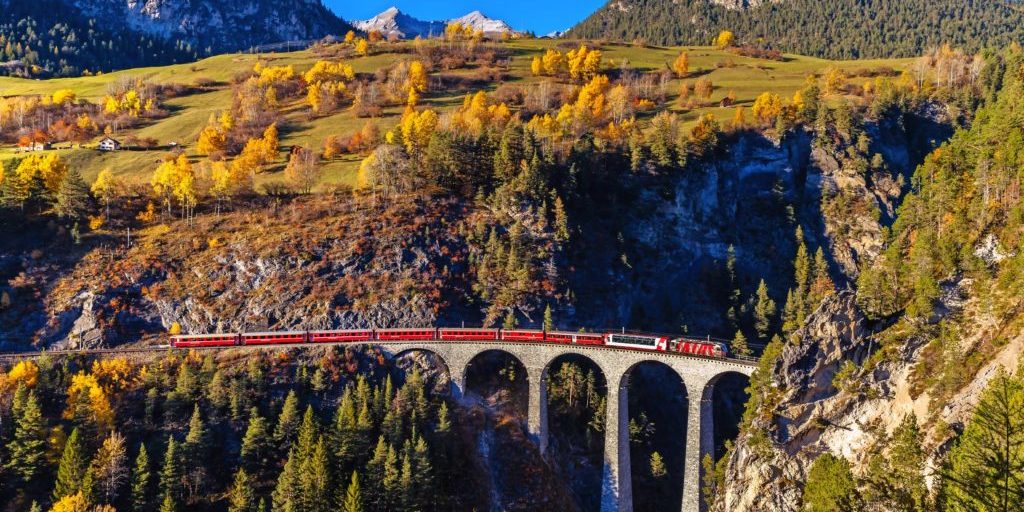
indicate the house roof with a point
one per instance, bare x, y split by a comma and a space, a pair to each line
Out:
104, 139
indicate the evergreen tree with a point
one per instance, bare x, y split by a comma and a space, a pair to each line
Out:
344, 431
72, 196
168, 504
315, 479
764, 311
256, 444
287, 494
830, 486
241, 496
549, 321
27, 451
986, 465
353, 496
171, 475
287, 421
733, 299
739, 345
141, 476
73, 464
307, 435
802, 273
895, 475
658, 469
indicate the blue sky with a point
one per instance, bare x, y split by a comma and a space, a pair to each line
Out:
540, 16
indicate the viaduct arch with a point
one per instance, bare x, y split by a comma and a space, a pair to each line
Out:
699, 376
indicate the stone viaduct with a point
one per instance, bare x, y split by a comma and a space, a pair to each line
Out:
699, 376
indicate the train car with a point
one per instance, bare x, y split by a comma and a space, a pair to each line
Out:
522, 335
698, 348
640, 341
575, 338
273, 338
340, 336
204, 340
462, 334
405, 334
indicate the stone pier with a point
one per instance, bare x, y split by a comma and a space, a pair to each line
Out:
698, 376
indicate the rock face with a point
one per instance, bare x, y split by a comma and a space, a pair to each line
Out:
221, 25
802, 425
659, 258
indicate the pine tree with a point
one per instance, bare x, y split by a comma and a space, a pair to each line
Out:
658, 469
73, 464
391, 478
549, 321
241, 497
287, 494
830, 486
344, 430
307, 435
168, 504
802, 273
141, 476
764, 311
170, 475
353, 496
315, 479
256, 444
423, 475
443, 421
733, 299
895, 474
739, 345
196, 439
985, 468
287, 421
27, 450
561, 221
72, 196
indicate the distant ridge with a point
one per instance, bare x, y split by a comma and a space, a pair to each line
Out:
837, 29
395, 23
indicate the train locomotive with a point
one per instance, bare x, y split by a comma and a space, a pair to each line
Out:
624, 340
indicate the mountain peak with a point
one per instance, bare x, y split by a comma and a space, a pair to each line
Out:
393, 22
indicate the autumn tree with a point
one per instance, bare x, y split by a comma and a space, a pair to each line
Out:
109, 468
241, 497
303, 170
681, 66
353, 496
767, 108
725, 39
106, 188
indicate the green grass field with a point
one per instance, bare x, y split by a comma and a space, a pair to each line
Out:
746, 77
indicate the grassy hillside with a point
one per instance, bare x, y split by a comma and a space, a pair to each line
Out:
745, 77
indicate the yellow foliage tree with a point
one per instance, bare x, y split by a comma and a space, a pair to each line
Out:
87, 399
106, 188
24, 373
350, 36
417, 80
554, 62
584, 63
725, 39
114, 375
73, 503
64, 96
327, 71
834, 78
537, 66
211, 140
417, 128
767, 107
681, 66
362, 47
50, 167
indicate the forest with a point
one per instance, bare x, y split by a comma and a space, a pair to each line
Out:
837, 29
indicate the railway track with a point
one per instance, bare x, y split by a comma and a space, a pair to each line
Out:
18, 356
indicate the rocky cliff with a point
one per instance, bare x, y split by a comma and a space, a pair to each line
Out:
221, 25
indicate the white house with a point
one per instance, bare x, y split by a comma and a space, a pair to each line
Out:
109, 144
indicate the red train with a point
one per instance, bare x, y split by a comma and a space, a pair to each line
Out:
636, 341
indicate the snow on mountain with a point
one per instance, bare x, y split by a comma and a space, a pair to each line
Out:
478, 21
397, 23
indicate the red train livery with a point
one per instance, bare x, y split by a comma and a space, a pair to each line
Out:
635, 341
